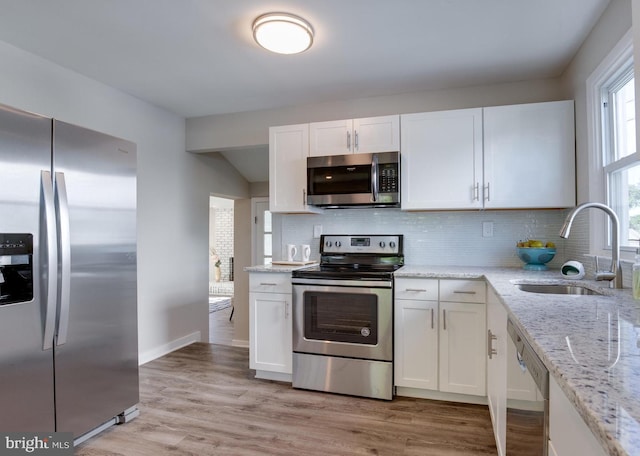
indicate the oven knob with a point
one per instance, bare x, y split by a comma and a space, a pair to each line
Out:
382, 244
392, 245
338, 244
327, 244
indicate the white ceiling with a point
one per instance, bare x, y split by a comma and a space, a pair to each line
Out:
198, 57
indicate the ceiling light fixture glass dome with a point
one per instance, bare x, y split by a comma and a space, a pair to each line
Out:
283, 33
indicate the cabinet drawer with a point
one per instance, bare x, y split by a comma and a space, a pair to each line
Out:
270, 282
463, 291
416, 289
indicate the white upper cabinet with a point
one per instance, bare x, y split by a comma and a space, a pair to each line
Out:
340, 137
529, 156
441, 160
504, 157
288, 152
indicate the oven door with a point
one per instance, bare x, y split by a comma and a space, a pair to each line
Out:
347, 318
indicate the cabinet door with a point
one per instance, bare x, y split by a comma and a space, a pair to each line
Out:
441, 160
270, 332
497, 368
567, 430
416, 344
462, 348
529, 156
331, 138
288, 151
376, 134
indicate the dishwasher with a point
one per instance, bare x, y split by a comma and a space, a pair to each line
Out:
527, 399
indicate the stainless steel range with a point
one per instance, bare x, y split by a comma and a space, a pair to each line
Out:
343, 316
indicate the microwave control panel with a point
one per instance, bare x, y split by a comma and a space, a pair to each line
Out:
388, 178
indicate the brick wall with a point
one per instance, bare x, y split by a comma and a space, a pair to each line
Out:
221, 226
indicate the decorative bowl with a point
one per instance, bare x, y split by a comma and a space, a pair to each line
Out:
535, 258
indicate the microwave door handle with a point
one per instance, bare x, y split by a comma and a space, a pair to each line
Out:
374, 177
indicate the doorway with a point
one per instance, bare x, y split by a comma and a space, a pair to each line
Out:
221, 286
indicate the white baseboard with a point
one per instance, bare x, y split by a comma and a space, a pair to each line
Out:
240, 343
440, 396
174, 345
277, 376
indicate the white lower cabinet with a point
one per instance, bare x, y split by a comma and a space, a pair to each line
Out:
416, 333
568, 433
462, 348
440, 345
270, 325
497, 344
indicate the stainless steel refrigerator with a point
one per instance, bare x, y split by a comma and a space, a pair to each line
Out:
68, 302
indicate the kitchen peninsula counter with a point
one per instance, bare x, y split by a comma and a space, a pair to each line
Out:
600, 373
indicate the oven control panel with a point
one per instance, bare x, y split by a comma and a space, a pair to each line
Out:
374, 243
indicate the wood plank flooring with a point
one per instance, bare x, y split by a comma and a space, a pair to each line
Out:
220, 327
203, 400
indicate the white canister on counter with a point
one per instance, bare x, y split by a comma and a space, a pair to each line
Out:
306, 252
292, 250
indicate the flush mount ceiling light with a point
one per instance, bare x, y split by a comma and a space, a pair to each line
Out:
283, 33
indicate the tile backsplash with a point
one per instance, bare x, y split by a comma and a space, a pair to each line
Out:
438, 238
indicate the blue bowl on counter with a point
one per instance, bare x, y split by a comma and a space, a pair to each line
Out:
535, 258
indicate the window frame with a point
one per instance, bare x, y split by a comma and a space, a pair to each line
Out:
613, 66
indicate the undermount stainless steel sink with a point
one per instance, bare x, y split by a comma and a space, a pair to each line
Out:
556, 288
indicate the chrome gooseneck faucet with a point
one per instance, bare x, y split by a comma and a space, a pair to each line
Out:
614, 275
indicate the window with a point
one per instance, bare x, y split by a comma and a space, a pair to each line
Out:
621, 165
614, 169
261, 232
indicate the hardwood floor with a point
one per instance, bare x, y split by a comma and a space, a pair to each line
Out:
220, 328
203, 400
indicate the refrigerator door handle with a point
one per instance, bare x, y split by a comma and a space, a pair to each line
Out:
52, 259
62, 209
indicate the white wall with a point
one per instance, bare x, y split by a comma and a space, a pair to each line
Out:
173, 191
226, 131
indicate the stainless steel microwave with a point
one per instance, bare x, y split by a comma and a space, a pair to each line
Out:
354, 180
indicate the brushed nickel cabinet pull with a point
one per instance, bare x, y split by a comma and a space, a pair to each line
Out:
490, 338
432, 312
464, 292
268, 284
417, 290
444, 319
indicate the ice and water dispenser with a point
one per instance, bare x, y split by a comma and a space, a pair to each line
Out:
16, 268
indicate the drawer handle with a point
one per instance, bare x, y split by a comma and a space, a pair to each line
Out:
417, 290
444, 319
268, 284
432, 318
490, 338
464, 292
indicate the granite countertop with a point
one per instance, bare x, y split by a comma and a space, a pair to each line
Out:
590, 344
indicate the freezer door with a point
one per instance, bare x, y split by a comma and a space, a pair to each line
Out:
96, 353
26, 368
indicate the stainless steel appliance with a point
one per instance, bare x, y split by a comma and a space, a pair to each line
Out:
527, 414
365, 180
343, 316
68, 318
